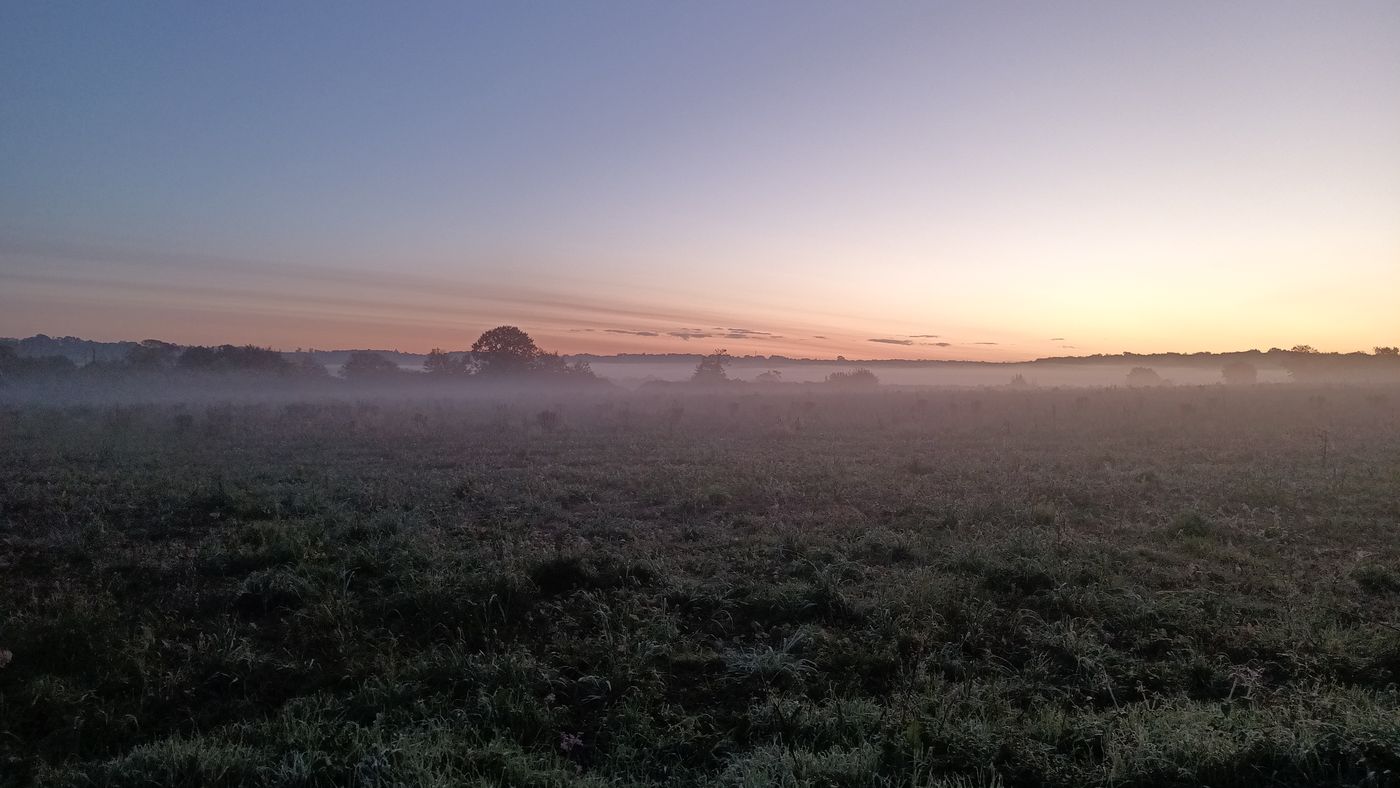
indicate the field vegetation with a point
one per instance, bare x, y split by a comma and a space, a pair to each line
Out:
826, 586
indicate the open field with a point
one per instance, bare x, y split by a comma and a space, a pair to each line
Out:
1178, 586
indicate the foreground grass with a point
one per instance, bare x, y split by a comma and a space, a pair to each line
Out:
1184, 587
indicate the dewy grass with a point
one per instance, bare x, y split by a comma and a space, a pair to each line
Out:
855, 588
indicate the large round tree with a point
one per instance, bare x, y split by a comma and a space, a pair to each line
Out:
505, 349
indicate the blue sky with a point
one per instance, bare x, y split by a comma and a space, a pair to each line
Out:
1125, 175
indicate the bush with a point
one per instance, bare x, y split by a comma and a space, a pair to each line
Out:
857, 377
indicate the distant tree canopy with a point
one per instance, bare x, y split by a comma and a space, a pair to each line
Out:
81, 351
710, 370
366, 365
1306, 364
508, 351
164, 358
856, 377
234, 358
441, 363
505, 350
554, 365
1240, 373
1303, 349
153, 354
1143, 376
14, 366
771, 376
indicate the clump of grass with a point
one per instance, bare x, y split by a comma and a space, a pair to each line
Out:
1376, 578
1193, 525
770, 663
270, 591
563, 573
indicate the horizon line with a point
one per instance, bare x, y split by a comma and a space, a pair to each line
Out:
839, 359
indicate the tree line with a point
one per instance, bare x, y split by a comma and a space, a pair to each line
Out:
502, 353
508, 353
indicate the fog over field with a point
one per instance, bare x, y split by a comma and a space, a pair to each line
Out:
735, 393
635, 373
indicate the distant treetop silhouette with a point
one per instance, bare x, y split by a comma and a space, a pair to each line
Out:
1143, 376
505, 350
855, 377
440, 362
710, 370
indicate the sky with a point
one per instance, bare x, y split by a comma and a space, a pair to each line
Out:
988, 180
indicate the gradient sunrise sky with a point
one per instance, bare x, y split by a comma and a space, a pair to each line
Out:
980, 180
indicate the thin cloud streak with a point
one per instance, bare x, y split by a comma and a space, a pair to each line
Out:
311, 276
143, 282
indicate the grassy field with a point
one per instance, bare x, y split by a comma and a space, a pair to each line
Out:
1187, 586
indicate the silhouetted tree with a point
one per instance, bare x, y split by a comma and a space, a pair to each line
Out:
196, 357
710, 370
1381, 350
152, 354
771, 376
1143, 376
1303, 349
555, 365
1240, 373
235, 358
13, 366
367, 365
856, 377
440, 362
504, 350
